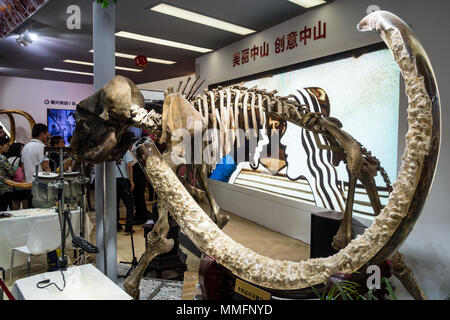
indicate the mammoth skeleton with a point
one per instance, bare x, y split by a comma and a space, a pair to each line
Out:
101, 135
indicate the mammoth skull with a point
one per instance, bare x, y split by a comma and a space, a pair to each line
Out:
103, 119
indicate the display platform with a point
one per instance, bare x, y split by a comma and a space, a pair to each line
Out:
84, 282
14, 231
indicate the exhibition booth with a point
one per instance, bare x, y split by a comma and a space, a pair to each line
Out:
298, 154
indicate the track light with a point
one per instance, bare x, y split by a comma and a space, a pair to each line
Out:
26, 38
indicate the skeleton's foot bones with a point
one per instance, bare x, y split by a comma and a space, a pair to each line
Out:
406, 276
131, 284
157, 243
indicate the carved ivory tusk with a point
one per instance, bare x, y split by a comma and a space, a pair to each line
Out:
388, 230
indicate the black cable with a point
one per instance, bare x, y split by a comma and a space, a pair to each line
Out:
47, 281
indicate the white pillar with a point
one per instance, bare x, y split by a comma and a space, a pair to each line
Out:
105, 177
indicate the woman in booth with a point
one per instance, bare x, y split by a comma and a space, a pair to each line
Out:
7, 171
19, 196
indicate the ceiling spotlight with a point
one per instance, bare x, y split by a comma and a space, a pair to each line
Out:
26, 38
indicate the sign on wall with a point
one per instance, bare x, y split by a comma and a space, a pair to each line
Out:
293, 40
57, 102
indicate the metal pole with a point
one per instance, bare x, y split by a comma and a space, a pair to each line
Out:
105, 178
105, 249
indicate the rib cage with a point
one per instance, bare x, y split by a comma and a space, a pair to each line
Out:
232, 100
222, 108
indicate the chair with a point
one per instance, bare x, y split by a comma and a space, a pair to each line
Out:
44, 236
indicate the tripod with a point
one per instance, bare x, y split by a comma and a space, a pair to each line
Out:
64, 215
134, 263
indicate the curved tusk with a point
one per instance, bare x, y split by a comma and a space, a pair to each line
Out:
14, 184
423, 139
13, 125
389, 228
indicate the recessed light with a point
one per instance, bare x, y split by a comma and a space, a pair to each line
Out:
308, 3
131, 56
68, 71
129, 69
91, 64
79, 62
163, 42
199, 18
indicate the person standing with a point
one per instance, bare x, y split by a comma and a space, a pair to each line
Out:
33, 153
6, 170
55, 141
15, 153
19, 196
3, 133
124, 188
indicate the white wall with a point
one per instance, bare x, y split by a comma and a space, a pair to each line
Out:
427, 248
282, 215
29, 95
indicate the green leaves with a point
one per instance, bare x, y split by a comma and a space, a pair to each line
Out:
389, 288
348, 290
105, 3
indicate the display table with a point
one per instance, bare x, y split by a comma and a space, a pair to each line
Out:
84, 282
14, 231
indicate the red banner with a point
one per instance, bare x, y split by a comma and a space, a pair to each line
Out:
293, 40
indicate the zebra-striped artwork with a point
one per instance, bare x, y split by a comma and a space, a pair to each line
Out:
361, 92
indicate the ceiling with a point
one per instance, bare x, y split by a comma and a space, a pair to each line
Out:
57, 43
